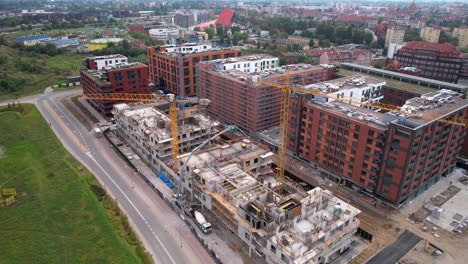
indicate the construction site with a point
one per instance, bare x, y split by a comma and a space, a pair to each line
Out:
231, 181
275, 218
355, 141
147, 127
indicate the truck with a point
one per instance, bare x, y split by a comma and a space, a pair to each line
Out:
204, 225
97, 132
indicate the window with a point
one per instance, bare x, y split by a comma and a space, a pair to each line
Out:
273, 249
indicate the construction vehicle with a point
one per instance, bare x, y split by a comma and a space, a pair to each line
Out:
97, 132
170, 98
204, 225
286, 91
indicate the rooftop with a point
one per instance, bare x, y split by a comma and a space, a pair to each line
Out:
294, 69
362, 115
349, 82
102, 74
242, 59
27, 38
106, 57
445, 49
409, 78
434, 105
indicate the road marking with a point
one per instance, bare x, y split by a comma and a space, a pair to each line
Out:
68, 131
134, 207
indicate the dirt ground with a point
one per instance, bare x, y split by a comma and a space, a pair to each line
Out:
386, 229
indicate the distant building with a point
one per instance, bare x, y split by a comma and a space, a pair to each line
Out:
359, 54
462, 35
164, 33
120, 77
394, 35
31, 40
188, 18
442, 62
172, 67
101, 62
299, 40
237, 98
430, 34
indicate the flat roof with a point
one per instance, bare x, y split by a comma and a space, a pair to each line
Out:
409, 77
355, 113
391, 82
348, 82
294, 69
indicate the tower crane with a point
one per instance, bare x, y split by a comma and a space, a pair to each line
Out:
170, 98
286, 90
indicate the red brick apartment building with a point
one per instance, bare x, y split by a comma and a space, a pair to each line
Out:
119, 78
174, 67
441, 62
237, 98
394, 158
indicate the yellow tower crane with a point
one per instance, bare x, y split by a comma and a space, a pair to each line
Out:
170, 98
286, 90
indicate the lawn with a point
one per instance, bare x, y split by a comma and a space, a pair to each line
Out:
52, 33
56, 217
45, 70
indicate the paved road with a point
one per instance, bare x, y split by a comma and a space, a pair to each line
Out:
392, 253
163, 233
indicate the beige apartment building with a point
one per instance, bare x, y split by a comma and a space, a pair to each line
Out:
430, 34
394, 35
462, 35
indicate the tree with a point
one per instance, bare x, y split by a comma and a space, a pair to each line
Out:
236, 37
219, 29
196, 29
446, 38
294, 47
411, 35
301, 58
210, 31
324, 43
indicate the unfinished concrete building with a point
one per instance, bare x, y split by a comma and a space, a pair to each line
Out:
236, 183
146, 127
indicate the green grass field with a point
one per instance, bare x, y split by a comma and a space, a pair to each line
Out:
56, 217
51, 70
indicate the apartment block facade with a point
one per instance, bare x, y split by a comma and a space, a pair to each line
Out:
237, 98
441, 62
430, 34
173, 68
394, 35
117, 78
462, 35
386, 155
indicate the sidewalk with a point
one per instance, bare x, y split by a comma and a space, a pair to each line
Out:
92, 110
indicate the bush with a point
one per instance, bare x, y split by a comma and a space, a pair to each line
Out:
98, 191
131, 237
109, 203
124, 221
144, 255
